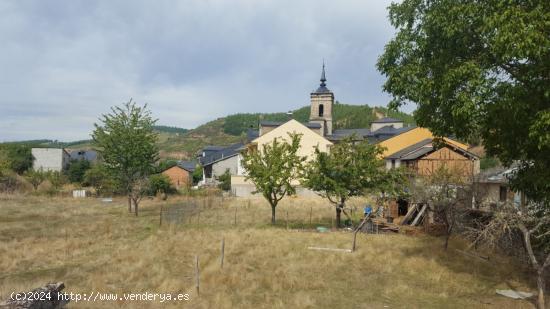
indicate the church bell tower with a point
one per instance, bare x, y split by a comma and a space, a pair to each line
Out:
322, 101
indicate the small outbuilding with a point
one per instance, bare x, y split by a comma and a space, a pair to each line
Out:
181, 174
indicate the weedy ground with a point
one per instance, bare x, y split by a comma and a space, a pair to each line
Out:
95, 246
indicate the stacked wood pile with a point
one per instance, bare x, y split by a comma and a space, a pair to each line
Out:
45, 297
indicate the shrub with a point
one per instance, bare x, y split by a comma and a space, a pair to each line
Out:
100, 179
77, 169
225, 181
160, 183
8, 181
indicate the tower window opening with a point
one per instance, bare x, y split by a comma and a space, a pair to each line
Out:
321, 110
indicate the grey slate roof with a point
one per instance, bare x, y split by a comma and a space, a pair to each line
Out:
222, 154
252, 135
372, 136
387, 120
189, 166
411, 149
421, 148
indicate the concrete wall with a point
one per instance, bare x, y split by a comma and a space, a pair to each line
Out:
50, 159
220, 167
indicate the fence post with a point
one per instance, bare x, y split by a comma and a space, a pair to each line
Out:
310, 213
160, 215
235, 222
199, 218
287, 219
197, 274
223, 252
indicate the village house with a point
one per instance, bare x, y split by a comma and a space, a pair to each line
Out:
216, 160
424, 158
181, 174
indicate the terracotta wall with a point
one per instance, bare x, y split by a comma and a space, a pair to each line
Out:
178, 176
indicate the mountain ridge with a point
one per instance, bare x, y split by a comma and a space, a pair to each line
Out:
178, 143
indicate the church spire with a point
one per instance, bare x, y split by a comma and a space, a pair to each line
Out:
323, 78
323, 87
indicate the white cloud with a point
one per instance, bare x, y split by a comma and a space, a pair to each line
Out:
64, 63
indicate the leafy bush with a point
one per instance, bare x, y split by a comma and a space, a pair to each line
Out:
35, 177
8, 181
165, 164
57, 179
225, 181
160, 183
100, 179
18, 156
197, 174
77, 169
488, 162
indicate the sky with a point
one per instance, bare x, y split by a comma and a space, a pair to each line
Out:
64, 63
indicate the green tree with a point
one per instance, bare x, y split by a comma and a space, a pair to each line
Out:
127, 143
77, 169
479, 70
273, 168
348, 170
165, 164
160, 183
57, 179
225, 181
197, 174
99, 177
35, 177
18, 156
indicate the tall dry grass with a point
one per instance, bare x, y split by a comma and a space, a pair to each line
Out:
95, 246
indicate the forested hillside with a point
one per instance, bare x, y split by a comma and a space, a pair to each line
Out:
344, 116
179, 143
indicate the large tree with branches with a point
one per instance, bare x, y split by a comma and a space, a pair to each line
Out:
479, 70
348, 170
127, 143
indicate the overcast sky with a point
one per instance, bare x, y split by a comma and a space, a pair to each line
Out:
63, 63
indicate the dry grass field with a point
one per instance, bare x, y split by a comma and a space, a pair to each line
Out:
96, 246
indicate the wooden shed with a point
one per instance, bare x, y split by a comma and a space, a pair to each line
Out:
424, 158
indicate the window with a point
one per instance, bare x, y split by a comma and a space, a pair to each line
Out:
392, 163
503, 194
321, 110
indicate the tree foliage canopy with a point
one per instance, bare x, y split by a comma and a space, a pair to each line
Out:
273, 168
347, 170
127, 143
478, 69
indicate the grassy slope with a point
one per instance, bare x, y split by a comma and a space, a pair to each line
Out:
100, 247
